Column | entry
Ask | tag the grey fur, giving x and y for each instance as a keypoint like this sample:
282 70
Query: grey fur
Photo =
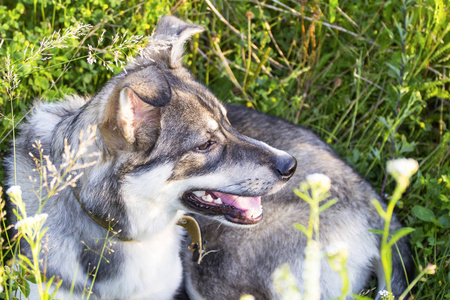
246 258
152 119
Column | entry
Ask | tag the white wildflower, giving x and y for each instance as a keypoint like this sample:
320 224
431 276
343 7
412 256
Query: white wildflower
91 58
319 181
15 195
100 40
14 192
116 55
31 224
384 293
40 218
108 66
337 255
404 167
430 269
284 283
336 248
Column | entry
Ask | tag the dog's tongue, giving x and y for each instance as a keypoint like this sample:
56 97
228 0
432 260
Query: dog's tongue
247 204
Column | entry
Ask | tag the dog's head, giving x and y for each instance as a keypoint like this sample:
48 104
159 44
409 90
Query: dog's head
173 140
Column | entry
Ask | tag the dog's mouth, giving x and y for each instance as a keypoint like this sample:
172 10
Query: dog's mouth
236 209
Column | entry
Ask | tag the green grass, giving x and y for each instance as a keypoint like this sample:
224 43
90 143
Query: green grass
370 77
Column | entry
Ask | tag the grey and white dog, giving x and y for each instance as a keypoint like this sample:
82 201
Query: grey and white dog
166 146
246 258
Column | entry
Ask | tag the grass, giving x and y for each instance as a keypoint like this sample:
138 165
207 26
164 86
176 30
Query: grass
370 77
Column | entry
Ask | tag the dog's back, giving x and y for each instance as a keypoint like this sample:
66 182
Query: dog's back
246 258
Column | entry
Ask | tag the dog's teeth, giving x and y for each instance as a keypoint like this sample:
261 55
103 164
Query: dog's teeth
208 198
199 193
218 201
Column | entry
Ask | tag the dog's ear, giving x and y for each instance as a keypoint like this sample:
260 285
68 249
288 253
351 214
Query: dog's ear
133 111
167 41
132 121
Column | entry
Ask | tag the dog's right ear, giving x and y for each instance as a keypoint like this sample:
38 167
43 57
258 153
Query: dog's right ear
131 122
166 45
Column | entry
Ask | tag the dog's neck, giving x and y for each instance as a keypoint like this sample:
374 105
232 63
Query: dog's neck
106 224
187 222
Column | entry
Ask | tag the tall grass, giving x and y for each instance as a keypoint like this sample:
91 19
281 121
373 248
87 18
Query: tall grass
371 77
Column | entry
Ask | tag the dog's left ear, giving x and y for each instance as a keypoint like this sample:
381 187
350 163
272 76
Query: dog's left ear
133 113
167 41
132 116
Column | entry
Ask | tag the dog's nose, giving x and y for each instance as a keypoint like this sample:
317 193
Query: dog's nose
287 166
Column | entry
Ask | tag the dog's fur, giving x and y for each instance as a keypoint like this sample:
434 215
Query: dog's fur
246 258
162 135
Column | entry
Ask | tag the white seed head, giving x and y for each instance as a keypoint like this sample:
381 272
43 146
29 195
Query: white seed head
338 248
319 181
285 283
384 293
337 256
30 224
402 167
14 192
430 269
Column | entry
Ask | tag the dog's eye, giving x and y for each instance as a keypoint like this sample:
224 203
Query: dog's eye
205 147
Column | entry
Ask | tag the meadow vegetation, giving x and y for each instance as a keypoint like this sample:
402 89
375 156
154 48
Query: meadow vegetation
370 77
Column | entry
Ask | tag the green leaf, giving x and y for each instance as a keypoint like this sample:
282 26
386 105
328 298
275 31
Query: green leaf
25 288
423 213
379 209
87 78
327 205
42 82
376 231
332 10
31 278
390 33
301 228
302 195
58 285
399 234
444 221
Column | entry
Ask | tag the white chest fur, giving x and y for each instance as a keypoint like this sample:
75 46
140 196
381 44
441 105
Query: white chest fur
152 268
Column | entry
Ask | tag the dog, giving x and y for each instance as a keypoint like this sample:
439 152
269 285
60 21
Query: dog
165 146
245 258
